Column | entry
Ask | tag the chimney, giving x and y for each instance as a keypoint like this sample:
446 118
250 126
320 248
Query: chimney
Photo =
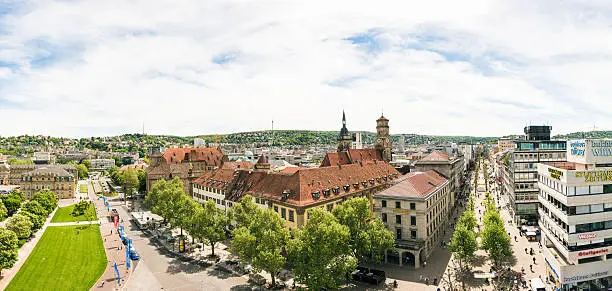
339 165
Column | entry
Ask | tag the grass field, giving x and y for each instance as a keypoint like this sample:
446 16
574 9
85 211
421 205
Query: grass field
83 188
63 214
65 258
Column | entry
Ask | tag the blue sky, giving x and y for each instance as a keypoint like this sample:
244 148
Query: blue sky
476 67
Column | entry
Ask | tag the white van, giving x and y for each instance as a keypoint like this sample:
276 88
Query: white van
537 285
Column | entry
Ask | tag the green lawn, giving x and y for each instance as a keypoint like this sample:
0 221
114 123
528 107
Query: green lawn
64 214
83 188
65 258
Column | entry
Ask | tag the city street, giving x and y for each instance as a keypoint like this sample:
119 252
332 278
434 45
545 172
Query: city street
519 243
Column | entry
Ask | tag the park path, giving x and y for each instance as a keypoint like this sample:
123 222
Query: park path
114 248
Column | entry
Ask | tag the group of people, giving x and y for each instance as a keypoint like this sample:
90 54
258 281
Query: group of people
426 280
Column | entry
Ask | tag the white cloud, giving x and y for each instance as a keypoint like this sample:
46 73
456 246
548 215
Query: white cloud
83 68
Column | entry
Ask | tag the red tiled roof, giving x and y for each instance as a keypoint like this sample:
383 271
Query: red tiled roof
415 185
219 179
133 166
437 156
324 182
237 165
289 170
211 156
351 156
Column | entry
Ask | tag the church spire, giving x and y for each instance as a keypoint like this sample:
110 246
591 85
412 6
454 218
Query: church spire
343 119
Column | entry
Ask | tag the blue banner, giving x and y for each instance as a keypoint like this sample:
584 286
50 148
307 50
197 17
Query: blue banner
118 275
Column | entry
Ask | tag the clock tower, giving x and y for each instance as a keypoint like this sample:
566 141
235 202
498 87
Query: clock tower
345 139
383 141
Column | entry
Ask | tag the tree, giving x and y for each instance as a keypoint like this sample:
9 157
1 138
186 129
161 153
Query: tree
18 194
46 199
130 181
8 249
87 164
21 225
142 181
80 208
463 244
34 207
37 220
82 171
468 219
115 175
11 203
321 252
166 198
209 224
369 236
495 240
261 240
15 161
243 212
3 211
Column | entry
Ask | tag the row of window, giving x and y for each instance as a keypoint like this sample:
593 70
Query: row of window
398 219
576 210
577 190
398 204
283 213
398 234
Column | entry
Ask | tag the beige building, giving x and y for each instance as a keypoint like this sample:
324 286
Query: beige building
54 179
17 171
449 166
506 144
416 209
4 174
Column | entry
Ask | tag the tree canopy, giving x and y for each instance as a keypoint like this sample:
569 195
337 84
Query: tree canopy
209 224
21 225
8 249
46 199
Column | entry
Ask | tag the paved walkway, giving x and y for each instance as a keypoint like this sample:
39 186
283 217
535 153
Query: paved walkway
114 248
23 253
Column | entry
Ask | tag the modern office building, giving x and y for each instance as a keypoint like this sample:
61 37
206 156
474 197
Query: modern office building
415 208
575 216
519 171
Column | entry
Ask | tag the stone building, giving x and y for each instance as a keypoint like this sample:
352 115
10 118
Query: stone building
452 167
293 193
416 209
186 163
4 174
54 179
16 172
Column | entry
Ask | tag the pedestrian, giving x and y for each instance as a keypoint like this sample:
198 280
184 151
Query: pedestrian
420 278
531 268
526 251
426 281
515 238
424 264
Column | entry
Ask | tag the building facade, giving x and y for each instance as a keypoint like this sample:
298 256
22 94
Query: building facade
575 216
102 164
186 163
54 179
416 209
452 167
5 172
519 172
16 172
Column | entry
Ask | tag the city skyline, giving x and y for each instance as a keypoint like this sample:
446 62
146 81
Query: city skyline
478 68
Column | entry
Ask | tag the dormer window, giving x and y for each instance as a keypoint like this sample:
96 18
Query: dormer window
286 194
336 190
372 181
316 195
364 183
356 185
378 180
326 192
347 188
385 178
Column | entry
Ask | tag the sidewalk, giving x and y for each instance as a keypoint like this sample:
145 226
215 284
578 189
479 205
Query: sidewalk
23 253
114 248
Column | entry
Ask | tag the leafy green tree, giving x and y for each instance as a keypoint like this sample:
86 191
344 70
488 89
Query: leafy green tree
46 199
3 211
34 207
242 213
321 252
130 181
209 224
369 236
82 171
11 203
15 161
142 181
468 219
80 208
167 198
495 240
463 244
261 241
87 164
115 175
37 220
8 249
21 225
18 194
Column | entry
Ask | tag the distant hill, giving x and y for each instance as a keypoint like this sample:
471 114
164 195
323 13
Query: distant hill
585 134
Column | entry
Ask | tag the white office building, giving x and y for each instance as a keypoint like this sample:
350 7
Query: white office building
575 216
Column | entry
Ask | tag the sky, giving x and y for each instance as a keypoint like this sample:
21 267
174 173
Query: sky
79 68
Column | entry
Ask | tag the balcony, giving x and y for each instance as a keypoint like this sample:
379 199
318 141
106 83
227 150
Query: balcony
410 244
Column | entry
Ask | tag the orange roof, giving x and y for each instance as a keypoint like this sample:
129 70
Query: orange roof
437 156
314 185
219 179
415 185
351 156
211 156
237 165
